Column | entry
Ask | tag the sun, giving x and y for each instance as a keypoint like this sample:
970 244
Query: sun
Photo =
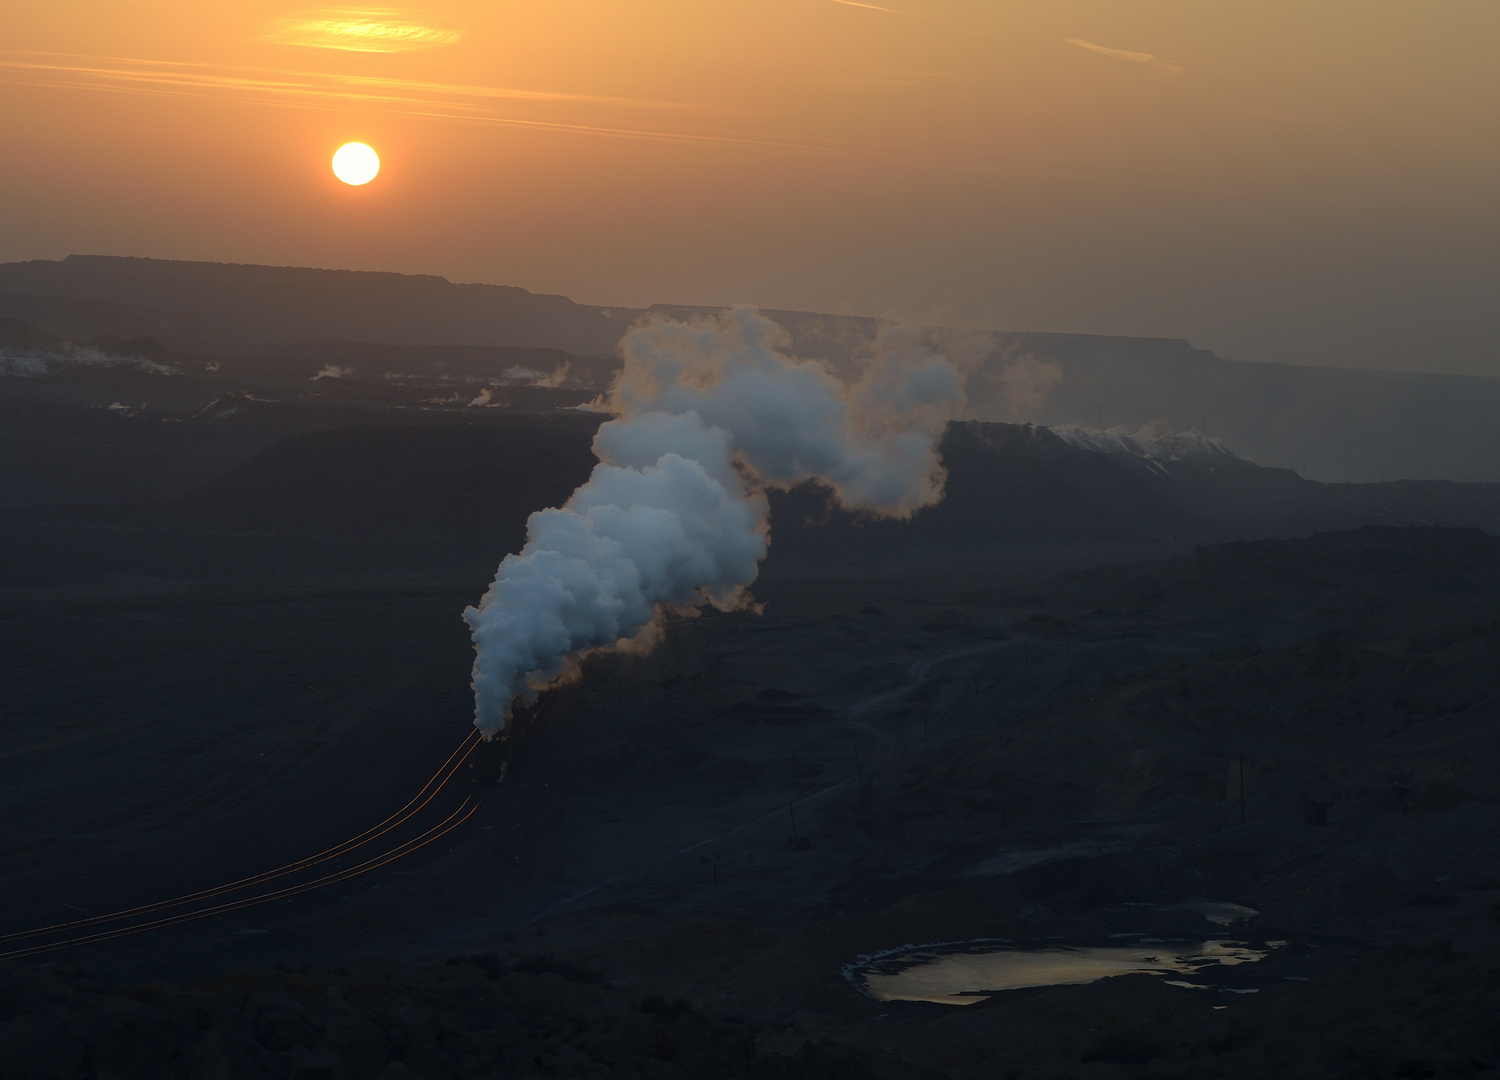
355 163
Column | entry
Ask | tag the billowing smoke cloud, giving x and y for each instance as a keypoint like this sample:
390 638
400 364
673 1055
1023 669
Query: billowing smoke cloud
708 415
1027 382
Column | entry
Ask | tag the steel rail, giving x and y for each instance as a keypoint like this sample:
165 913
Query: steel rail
453 821
414 806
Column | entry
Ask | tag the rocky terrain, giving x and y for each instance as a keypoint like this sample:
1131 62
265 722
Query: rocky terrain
1108 679
1011 755
268 322
1407 1012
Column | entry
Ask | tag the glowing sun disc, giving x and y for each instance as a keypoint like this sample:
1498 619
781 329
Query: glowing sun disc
355 163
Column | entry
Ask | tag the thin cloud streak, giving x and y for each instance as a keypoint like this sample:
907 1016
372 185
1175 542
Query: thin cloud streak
308 90
827 148
110 69
1166 67
872 7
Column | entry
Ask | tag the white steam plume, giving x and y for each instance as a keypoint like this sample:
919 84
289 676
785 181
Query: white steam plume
708 415
1027 382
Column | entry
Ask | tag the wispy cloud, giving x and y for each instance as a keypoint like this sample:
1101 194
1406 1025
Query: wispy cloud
117 72
584 114
872 7
1151 60
895 80
359 30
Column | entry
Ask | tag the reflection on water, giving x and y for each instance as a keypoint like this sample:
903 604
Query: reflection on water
963 976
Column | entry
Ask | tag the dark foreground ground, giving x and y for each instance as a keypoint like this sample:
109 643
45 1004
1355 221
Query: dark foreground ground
1403 1013
1029 729
627 903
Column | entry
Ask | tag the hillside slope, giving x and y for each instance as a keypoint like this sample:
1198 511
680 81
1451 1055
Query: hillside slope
425 495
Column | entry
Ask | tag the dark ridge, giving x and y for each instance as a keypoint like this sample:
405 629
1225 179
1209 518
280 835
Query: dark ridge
1006 483
367 360
452 478
17 334
227 307
140 348
422 494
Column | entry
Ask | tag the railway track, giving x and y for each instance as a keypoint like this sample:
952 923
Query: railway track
202 904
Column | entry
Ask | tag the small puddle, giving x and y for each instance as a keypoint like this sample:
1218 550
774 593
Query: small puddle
963 973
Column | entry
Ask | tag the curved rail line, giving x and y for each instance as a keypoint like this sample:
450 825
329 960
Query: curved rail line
415 805
453 821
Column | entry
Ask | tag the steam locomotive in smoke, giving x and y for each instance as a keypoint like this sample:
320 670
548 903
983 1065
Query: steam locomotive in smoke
489 761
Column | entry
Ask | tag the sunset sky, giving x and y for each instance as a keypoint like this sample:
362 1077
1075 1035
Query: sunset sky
1276 181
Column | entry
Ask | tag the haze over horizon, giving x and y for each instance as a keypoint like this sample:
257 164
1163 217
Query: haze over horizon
1273 183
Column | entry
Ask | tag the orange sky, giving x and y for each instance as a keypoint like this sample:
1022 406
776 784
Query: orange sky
1277 181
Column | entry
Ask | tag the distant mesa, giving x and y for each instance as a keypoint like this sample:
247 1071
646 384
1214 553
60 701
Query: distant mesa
16 334
1329 424
230 308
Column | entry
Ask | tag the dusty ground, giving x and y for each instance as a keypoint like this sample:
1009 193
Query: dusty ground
920 738
978 753
168 735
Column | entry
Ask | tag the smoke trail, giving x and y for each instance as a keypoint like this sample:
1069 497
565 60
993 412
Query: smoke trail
708 415
1027 382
